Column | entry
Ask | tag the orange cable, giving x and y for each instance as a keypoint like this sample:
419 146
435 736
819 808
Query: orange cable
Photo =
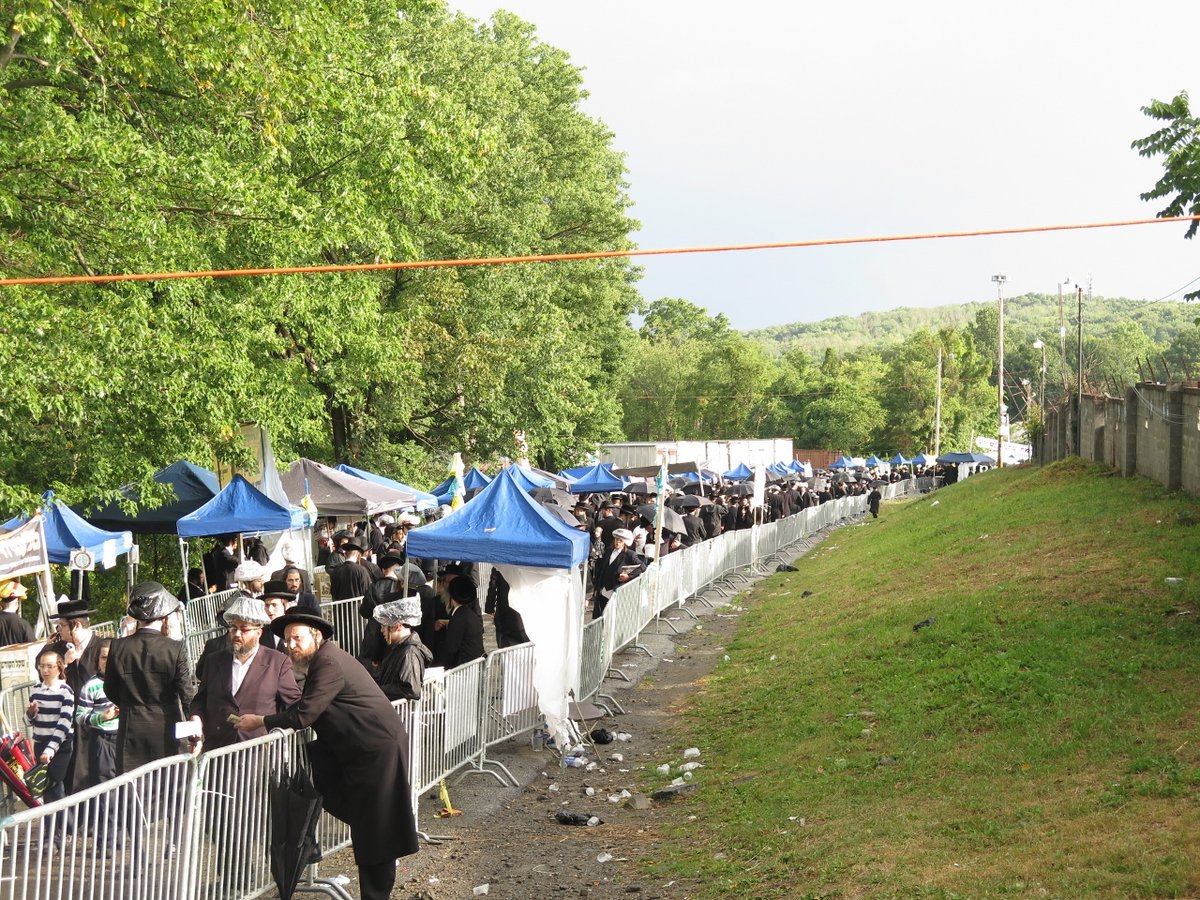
559 257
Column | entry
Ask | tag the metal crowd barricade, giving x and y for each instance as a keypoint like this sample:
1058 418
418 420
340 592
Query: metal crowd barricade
13 702
451 737
197 639
200 613
126 839
510 702
347 624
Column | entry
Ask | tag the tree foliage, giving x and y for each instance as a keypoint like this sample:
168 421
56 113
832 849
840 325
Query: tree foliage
151 136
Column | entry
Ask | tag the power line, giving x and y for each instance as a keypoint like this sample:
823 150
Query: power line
560 257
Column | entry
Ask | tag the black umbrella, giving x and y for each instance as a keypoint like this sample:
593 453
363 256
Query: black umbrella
740 490
647 511
564 515
553 495
687 501
295 809
637 487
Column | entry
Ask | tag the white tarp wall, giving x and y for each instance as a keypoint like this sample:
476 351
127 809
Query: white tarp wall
550 602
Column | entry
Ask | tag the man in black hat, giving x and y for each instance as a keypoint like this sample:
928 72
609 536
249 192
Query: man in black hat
147 678
351 579
77 647
360 757
462 638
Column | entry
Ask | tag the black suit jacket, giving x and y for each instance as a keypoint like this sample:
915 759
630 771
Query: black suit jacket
605 575
147 677
268 688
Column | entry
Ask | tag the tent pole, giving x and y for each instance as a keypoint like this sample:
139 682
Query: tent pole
183 558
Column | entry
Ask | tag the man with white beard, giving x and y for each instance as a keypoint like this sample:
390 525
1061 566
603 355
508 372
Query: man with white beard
360 757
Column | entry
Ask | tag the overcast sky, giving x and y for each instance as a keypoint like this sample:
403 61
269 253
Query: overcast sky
784 121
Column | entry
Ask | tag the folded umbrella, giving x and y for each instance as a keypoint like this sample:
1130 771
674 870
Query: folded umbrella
295 808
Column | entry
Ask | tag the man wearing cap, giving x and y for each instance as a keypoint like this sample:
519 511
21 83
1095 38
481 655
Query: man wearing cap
360 757
462 636
614 568
246 678
351 579
147 678
403 667
13 627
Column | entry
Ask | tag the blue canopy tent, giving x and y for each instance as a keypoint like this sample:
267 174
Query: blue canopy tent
781 469
503 524
842 462
538 556
575 471
874 461
240 507
920 460
899 460
66 532
741 473
596 480
425 500
192 486
796 467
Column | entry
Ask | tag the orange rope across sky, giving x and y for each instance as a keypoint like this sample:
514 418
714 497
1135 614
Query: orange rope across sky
559 257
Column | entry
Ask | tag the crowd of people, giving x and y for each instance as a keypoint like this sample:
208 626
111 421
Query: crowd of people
105 706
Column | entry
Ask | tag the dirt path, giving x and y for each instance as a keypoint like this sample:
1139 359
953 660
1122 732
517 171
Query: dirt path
508 838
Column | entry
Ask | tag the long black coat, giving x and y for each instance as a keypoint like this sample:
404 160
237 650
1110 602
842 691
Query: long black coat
147 677
462 641
360 760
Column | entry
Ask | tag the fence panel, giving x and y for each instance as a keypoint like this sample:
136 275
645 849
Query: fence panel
347 624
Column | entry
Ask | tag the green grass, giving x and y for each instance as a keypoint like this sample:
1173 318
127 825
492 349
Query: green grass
1038 739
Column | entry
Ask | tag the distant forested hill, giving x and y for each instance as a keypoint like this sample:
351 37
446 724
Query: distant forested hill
1031 313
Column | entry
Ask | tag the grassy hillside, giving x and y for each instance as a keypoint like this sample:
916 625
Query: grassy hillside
1039 738
1036 314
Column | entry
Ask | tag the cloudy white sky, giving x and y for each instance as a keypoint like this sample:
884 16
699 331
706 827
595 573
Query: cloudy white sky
783 121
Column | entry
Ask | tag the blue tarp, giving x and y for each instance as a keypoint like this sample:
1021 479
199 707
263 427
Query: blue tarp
526 480
796 466
842 462
576 471
873 461
240 508
780 468
920 460
899 460
193 487
66 531
598 479
741 473
503 524
972 457
425 500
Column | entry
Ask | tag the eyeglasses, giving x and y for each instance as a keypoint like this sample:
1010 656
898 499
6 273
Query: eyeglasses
244 629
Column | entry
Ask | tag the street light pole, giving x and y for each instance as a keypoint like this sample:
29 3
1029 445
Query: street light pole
1000 279
937 411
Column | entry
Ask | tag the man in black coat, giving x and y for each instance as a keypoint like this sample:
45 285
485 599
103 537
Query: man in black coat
351 579
13 628
147 678
360 757
78 647
462 635
614 568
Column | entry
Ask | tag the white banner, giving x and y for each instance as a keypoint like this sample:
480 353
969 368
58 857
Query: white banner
23 551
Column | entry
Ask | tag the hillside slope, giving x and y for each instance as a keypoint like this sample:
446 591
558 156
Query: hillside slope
1037 736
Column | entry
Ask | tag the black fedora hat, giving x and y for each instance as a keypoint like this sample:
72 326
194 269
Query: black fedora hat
73 609
273 590
301 618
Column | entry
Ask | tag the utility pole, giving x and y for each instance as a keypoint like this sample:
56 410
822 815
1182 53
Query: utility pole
1002 425
937 411
1039 344
1062 332
1079 380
